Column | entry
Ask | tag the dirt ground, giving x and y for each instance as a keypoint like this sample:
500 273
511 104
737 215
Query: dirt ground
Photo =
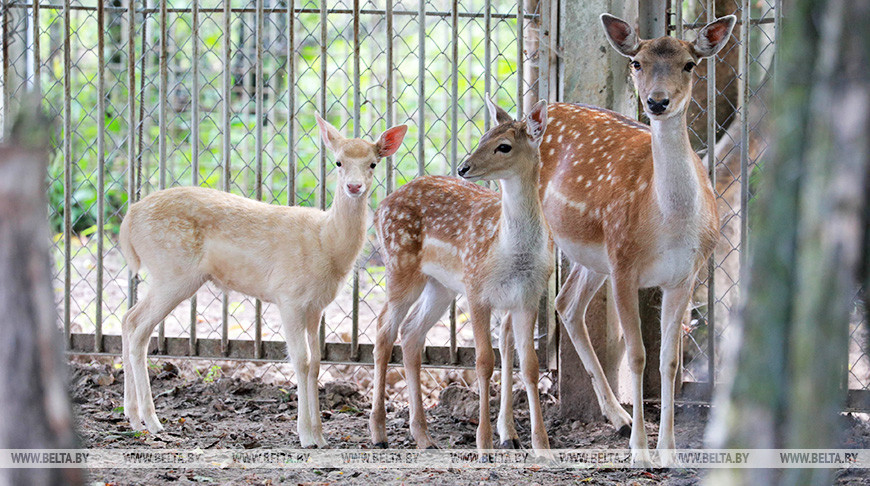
229 413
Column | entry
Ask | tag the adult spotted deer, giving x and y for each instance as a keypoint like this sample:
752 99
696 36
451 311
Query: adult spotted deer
633 203
294 257
441 236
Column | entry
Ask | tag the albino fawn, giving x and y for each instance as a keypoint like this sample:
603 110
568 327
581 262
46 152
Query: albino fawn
294 257
633 203
441 236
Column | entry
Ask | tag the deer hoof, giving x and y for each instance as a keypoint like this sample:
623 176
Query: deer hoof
625 431
381 445
511 444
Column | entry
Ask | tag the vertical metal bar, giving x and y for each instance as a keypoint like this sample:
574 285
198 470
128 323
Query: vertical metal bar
354 313
711 151
323 75
777 36
194 147
322 181
131 129
67 164
227 150
421 89
520 59
678 18
161 134
389 76
258 158
745 30
143 61
487 60
101 168
291 103
454 149
544 50
7 40
37 58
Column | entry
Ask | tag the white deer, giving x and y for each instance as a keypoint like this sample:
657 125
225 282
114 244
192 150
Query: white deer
441 236
294 257
633 203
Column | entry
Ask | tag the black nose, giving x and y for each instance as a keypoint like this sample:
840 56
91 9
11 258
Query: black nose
657 106
463 170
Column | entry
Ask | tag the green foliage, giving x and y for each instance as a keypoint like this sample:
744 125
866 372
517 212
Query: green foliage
279 159
213 373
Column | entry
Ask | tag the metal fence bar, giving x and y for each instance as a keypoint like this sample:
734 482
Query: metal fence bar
454 149
354 313
520 74
162 123
487 61
101 170
37 60
194 146
678 19
711 263
281 10
67 161
5 45
258 157
745 32
131 129
389 17
291 104
226 86
322 181
421 90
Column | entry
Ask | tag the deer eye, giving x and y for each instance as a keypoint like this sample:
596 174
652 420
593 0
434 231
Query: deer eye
689 66
373 165
635 65
504 148
338 163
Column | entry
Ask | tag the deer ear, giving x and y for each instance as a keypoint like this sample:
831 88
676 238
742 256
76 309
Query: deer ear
328 133
536 122
620 35
713 37
390 141
496 112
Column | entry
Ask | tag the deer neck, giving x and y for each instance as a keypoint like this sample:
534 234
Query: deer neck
344 229
675 178
521 223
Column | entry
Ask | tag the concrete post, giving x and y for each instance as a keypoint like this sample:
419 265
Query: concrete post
592 72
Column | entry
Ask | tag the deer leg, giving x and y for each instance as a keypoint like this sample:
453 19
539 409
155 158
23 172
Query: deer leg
507 431
298 348
524 334
480 319
163 296
312 328
674 302
571 303
429 309
625 293
131 403
399 301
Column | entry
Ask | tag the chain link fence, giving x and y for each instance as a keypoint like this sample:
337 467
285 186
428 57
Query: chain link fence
158 93
725 123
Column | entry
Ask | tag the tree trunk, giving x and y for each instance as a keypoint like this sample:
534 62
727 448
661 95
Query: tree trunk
789 382
33 396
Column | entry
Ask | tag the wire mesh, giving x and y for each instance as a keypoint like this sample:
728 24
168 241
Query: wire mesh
725 123
221 94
